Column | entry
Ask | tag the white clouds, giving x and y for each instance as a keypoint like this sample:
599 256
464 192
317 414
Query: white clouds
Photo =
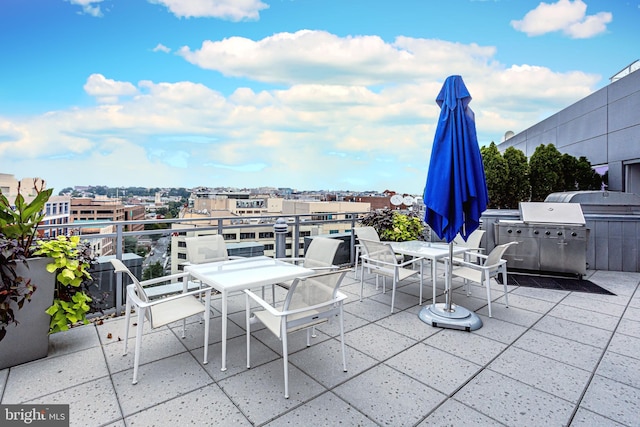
161 48
290 136
567 16
107 90
232 10
88 7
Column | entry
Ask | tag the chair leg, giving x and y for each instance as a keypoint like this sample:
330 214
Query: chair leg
309 336
344 354
127 322
506 293
248 325
184 328
136 357
207 315
361 284
487 284
355 267
393 294
285 358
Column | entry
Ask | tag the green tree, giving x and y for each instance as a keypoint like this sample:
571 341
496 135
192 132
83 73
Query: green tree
519 188
154 270
586 177
496 172
130 244
569 169
546 176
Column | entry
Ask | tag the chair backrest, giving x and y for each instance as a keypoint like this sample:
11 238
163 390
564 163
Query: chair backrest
310 291
379 251
209 248
368 233
321 252
119 267
473 241
496 253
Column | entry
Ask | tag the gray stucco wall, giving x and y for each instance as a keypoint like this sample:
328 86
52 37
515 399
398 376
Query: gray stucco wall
604 127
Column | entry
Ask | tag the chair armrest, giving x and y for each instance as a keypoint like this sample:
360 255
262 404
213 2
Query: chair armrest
138 302
262 303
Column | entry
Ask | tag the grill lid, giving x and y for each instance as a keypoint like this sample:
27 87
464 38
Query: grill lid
551 213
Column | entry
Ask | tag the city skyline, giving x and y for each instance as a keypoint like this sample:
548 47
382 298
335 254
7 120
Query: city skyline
304 94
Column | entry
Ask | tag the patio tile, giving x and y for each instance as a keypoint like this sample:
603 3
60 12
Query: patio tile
350 321
574 331
629 327
559 379
259 392
563 350
527 303
590 317
515 315
402 301
204 406
453 413
54 374
591 302
237 357
389 397
586 418
4 374
618 282
620 368
467 345
438 369
90 404
323 362
512 402
625 345
378 342
549 295
499 330
409 324
368 309
194 334
155 345
296 340
613 400
325 410
632 313
158 382
78 338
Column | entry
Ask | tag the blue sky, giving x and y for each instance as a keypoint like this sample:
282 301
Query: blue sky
309 94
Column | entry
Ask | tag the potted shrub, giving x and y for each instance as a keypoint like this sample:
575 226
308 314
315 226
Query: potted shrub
71 262
27 287
394 225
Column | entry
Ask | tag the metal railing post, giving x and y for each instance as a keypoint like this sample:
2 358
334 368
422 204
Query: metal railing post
280 229
119 250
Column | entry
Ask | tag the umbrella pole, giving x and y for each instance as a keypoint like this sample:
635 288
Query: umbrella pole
448 302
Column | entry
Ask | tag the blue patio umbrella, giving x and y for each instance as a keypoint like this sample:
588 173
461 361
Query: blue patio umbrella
455 194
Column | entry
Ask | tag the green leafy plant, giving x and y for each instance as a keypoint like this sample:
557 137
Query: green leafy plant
71 262
396 226
18 229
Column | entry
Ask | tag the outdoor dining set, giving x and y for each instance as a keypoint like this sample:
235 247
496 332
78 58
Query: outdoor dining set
312 285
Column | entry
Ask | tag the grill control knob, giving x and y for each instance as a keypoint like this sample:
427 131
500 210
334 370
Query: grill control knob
536 232
509 231
574 234
559 233
519 231
547 232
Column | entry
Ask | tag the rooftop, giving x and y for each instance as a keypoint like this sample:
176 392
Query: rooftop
551 358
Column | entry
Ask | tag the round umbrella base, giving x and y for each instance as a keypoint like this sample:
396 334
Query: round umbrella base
458 317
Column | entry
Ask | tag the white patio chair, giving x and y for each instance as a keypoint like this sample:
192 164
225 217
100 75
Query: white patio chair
367 233
490 266
380 259
473 244
309 302
319 256
161 311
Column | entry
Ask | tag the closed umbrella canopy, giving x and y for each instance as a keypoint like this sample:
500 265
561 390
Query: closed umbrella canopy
456 191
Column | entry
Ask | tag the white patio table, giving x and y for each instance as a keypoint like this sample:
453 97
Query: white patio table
240 274
434 252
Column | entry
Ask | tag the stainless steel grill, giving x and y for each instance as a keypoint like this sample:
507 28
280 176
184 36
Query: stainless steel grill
552 238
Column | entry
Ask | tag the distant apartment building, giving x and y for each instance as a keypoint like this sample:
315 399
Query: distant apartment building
255 218
56 210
